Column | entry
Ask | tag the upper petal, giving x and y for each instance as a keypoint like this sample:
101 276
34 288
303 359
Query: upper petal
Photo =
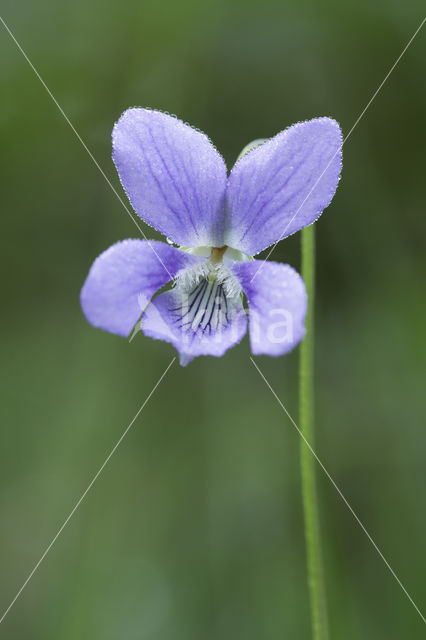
203 322
123 279
277 303
173 176
282 185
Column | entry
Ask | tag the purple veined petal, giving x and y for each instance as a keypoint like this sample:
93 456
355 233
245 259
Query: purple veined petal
174 177
277 303
282 185
204 322
123 279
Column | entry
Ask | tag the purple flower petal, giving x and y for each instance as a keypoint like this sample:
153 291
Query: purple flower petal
173 176
277 305
123 279
283 185
203 323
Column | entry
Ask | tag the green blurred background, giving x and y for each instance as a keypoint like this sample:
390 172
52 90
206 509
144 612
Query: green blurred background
195 530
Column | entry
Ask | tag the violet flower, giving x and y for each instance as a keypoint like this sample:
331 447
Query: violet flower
177 182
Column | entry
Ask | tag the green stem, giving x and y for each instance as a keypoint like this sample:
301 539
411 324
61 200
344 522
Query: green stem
307 461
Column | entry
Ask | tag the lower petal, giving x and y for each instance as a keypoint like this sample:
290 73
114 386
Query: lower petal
277 303
123 279
203 322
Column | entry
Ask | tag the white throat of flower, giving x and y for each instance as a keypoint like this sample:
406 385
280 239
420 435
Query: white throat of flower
214 270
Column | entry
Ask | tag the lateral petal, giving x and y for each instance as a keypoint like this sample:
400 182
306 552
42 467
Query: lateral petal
277 303
123 279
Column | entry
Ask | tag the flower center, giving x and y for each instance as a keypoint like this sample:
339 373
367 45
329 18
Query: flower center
213 271
217 254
